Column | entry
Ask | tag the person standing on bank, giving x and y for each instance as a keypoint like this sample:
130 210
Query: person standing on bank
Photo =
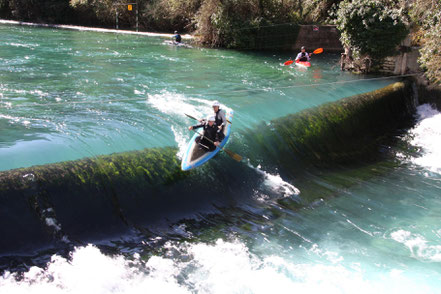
303 55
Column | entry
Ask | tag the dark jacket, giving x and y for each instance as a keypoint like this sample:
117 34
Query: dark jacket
210 133
177 38
220 118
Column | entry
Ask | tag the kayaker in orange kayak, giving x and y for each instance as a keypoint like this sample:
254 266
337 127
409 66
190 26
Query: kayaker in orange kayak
303 55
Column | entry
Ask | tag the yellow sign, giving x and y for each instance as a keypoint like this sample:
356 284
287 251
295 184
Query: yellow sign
129 7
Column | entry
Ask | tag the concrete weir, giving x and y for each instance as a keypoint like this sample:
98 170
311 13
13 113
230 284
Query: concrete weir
108 194
81 197
348 130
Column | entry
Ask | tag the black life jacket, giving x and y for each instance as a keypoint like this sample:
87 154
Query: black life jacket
210 132
304 56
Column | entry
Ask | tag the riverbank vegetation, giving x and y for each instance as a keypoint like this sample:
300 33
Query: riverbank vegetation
426 20
372 30
218 23
370 27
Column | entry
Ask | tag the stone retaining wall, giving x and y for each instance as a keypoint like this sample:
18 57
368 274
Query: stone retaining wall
405 62
313 37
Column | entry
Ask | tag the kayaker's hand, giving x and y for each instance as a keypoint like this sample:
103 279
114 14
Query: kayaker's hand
190 128
219 127
216 143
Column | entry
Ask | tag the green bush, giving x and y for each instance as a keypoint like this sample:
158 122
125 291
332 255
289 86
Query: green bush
103 11
37 11
243 24
5 11
170 15
430 52
317 11
371 28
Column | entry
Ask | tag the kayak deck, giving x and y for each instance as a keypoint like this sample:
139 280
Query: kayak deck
198 152
303 63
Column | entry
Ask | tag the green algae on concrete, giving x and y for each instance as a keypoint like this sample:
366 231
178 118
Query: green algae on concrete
145 168
108 194
341 131
350 129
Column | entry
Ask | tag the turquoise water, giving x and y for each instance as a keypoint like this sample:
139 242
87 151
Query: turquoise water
67 95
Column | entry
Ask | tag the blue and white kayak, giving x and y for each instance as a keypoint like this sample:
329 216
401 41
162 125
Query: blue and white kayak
196 156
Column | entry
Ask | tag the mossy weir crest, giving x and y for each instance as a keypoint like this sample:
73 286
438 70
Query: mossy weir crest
107 193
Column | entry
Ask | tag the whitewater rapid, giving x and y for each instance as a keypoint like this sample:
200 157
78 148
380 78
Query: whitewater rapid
221 267
426 136
229 266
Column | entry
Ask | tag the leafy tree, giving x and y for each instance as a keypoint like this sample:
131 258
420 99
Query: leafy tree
244 23
371 28
317 11
430 52
170 15
102 10
5 11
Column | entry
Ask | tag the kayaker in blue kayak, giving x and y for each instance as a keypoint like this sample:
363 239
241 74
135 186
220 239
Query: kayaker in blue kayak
210 132
220 119
303 55
177 38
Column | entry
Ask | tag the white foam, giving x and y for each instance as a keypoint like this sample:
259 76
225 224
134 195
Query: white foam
418 246
22 120
7 104
181 139
275 183
172 43
427 135
222 267
34 92
22 45
179 104
90 271
51 222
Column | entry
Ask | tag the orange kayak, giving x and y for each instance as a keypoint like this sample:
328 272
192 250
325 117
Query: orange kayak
303 63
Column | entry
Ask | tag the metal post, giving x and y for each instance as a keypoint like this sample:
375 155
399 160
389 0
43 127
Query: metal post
116 19
137 25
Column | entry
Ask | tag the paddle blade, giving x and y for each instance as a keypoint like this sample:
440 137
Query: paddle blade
318 51
288 62
233 155
191 116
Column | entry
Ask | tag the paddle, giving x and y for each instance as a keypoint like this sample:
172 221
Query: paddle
192 117
230 153
316 51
